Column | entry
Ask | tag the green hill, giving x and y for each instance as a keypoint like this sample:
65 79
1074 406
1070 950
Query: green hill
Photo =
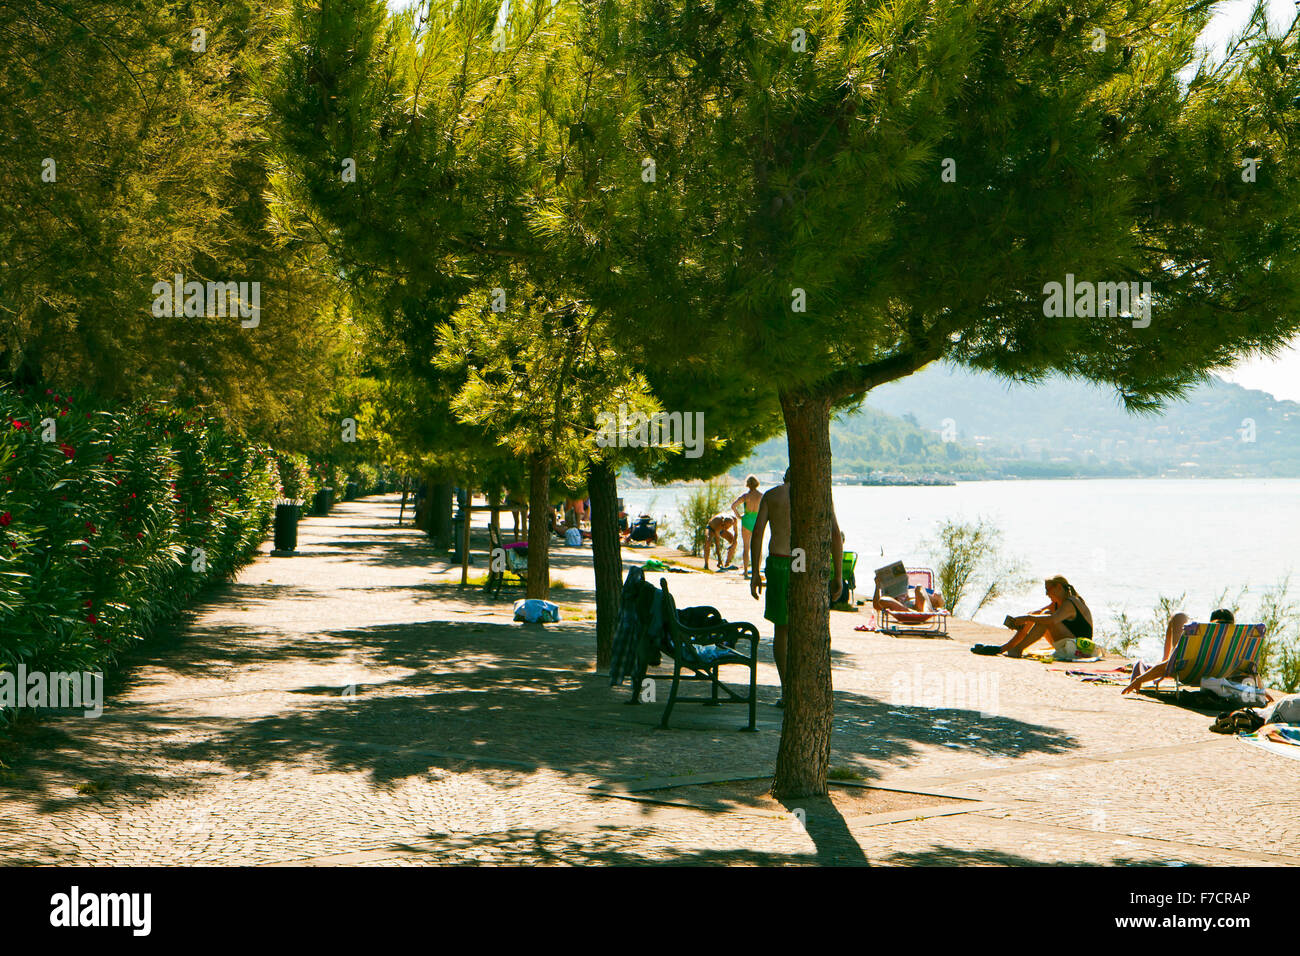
1061 428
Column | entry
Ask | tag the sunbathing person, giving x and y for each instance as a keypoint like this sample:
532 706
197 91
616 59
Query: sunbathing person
1066 617
919 601
1173 631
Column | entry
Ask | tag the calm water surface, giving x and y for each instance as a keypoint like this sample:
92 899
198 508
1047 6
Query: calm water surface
1121 542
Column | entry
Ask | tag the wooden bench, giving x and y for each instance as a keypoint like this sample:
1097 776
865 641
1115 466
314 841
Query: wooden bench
708 629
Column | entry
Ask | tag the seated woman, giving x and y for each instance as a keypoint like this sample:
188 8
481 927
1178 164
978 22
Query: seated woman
1174 630
921 602
1067 616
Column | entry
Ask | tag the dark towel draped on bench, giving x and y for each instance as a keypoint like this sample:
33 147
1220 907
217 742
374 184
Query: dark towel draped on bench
643 630
631 629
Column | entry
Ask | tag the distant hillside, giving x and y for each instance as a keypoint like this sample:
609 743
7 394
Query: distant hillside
868 441
1059 429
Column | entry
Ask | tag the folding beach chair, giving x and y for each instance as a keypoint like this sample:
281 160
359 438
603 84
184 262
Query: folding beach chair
850 563
915 623
1213 650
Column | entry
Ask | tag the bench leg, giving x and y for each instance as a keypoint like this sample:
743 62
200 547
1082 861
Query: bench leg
713 701
672 695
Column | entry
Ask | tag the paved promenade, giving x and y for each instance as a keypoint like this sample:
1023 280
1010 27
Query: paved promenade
351 705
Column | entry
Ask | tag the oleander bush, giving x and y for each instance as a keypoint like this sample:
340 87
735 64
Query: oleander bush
296 478
113 518
367 479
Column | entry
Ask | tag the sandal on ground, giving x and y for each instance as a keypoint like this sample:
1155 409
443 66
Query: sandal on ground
989 650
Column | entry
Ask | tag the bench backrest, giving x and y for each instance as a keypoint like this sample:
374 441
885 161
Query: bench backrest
701 616
1214 650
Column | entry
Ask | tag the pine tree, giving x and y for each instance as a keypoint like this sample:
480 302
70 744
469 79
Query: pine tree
855 191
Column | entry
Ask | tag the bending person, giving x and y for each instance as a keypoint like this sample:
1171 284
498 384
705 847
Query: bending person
721 527
1067 616
1173 631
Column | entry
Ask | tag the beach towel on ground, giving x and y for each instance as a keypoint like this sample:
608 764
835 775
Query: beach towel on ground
1289 734
1119 676
1051 659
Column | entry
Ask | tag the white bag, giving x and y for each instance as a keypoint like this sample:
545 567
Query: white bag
1246 695
1066 649
573 538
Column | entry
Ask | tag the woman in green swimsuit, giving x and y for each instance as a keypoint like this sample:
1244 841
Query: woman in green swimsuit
750 500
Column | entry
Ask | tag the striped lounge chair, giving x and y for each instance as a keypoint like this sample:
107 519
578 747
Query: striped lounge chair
915 623
1213 650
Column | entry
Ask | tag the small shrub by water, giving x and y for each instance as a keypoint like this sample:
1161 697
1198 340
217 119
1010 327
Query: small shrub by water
703 502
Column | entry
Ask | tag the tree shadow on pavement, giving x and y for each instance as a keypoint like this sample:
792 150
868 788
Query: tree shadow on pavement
961 856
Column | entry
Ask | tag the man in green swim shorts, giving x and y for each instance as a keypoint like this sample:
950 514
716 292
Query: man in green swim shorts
774 510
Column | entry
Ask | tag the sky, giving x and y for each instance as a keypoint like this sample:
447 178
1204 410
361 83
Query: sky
1278 376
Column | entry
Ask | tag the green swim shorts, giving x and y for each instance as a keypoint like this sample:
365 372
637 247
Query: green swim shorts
777 573
749 519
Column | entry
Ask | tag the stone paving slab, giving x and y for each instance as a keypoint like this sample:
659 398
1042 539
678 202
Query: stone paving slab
352 705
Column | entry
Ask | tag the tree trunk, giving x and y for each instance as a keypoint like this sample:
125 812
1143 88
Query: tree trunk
539 536
438 514
606 558
494 499
803 758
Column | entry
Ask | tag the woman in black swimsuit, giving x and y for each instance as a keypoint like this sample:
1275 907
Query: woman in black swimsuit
1066 617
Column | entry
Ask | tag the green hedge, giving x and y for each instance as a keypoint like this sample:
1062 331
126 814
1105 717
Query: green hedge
100 527
296 479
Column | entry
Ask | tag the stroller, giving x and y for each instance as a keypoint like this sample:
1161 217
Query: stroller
645 531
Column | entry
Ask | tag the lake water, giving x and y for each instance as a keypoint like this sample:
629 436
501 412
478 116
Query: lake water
1121 542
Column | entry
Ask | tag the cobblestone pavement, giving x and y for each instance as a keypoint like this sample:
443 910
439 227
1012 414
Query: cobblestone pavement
352 705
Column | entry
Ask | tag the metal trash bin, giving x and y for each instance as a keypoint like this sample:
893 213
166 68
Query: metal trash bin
287 513
457 533
322 502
